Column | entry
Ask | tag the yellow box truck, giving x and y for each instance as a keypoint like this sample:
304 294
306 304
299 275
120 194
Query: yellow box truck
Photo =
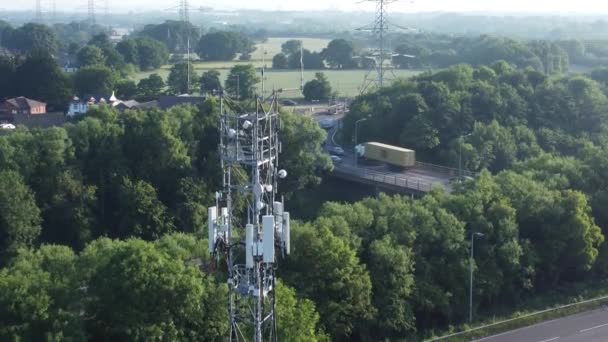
393 155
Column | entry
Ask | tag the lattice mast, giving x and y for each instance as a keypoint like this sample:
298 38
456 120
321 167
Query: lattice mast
184 11
38 12
249 150
91 11
381 54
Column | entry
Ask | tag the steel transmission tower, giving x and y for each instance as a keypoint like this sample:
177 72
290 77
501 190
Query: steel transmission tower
91 11
249 149
184 11
381 56
38 12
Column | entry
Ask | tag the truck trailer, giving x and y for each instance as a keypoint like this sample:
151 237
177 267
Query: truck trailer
392 155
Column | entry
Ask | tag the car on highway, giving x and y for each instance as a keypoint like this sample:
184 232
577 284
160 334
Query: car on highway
457 179
337 150
327 123
289 103
336 159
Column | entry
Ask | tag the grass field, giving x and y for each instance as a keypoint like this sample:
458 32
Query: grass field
273 46
346 82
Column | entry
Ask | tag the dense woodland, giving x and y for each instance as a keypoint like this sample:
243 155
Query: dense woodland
148 176
102 220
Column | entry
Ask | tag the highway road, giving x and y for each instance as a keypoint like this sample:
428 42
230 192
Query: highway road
589 326
427 178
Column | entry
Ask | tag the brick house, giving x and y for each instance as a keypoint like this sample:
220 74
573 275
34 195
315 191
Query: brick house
19 106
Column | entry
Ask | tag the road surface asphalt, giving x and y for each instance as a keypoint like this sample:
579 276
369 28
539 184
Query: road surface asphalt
591 326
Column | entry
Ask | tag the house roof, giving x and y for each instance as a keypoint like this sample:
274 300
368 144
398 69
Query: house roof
166 102
25 103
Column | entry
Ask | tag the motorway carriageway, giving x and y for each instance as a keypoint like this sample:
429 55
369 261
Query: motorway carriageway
591 326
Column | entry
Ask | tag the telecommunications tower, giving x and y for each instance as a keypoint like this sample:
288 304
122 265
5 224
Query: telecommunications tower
250 243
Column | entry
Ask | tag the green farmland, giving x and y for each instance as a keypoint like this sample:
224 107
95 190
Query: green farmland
345 82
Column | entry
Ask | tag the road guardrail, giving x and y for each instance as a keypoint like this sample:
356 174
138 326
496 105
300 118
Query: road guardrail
388 179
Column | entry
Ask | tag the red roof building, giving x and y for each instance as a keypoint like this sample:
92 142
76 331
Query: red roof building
20 106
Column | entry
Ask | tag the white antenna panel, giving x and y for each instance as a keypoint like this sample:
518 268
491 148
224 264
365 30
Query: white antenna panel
278 208
268 238
211 217
249 246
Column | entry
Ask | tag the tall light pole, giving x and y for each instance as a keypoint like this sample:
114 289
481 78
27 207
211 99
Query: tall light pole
460 156
356 137
473 235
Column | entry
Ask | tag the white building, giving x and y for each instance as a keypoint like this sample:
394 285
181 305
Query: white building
80 107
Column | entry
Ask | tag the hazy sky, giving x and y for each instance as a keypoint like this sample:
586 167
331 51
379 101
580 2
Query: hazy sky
553 6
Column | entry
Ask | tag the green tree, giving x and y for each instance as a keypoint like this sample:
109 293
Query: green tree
33 38
152 53
181 78
8 69
391 268
141 214
91 55
129 50
40 78
19 218
241 81
210 82
97 79
339 54
325 269
70 218
39 296
499 253
310 60
151 86
170 301
291 47
302 156
174 34
126 89
318 89
559 226
223 46
279 61
297 319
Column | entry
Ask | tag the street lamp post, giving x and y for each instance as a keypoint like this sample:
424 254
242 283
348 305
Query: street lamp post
238 86
473 235
356 137
460 156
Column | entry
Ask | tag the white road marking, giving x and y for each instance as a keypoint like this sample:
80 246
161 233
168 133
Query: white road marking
597 326
551 339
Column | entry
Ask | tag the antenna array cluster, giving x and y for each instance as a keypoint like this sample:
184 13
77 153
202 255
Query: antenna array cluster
249 150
